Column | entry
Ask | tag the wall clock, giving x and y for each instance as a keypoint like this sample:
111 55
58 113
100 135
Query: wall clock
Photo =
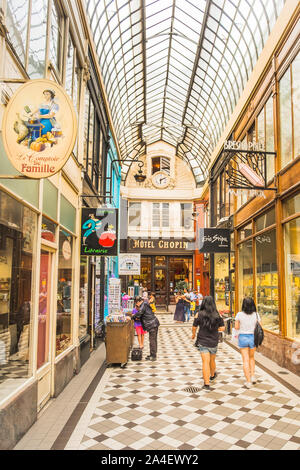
160 180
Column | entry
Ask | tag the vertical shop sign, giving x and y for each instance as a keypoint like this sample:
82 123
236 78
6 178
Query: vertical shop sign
99 232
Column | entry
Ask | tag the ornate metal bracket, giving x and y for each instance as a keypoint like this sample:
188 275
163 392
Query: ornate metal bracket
247 169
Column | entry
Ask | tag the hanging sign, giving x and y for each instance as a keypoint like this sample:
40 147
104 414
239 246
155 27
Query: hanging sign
99 232
129 263
214 240
39 128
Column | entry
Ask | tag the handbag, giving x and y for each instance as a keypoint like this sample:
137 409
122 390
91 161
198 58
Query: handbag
235 336
258 333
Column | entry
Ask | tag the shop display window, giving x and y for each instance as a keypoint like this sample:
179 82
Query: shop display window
267 280
222 282
18 228
245 232
48 230
265 220
292 274
245 271
291 206
44 308
64 292
83 297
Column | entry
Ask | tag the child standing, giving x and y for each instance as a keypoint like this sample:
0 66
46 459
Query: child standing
138 328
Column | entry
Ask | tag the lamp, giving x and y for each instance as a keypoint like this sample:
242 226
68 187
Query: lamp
139 177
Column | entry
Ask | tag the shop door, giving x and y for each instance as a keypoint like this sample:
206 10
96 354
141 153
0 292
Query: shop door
160 282
44 321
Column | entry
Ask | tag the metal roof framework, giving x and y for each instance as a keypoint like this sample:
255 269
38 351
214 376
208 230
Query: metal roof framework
175 69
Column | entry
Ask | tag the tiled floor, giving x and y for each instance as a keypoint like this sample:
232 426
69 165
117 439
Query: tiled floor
146 406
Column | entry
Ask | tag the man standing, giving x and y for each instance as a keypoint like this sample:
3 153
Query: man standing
149 323
187 305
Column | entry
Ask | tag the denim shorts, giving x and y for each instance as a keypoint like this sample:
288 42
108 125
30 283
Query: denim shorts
246 341
205 349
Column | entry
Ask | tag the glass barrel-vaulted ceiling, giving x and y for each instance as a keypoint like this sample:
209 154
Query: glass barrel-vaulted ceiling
175 69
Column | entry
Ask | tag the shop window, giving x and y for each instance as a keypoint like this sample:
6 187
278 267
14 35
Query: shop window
222 282
134 214
291 206
18 228
292 275
267 280
186 215
64 292
83 297
144 279
160 164
265 220
245 271
245 232
48 230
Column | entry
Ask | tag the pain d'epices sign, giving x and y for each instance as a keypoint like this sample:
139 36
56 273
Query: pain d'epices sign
39 128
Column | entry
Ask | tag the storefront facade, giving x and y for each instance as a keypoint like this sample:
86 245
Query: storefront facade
164 263
264 262
49 298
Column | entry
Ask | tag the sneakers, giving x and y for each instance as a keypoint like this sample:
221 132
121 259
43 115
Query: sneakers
150 358
248 384
206 388
213 377
253 380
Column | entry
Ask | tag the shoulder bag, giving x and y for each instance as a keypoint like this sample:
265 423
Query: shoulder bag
258 333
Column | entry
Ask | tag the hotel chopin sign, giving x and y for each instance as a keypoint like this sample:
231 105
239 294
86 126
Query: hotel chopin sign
168 245
39 128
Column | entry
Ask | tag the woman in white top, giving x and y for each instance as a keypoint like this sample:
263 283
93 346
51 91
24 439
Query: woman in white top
245 322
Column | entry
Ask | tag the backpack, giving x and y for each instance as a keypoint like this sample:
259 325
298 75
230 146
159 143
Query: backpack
136 354
258 334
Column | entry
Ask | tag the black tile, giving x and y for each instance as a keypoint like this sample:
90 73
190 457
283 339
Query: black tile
218 402
275 417
295 439
180 422
113 399
209 432
176 404
245 409
242 444
156 435
130 425
101 438
228 420
260 429
155 413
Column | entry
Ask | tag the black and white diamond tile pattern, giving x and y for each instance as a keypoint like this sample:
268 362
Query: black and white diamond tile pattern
145 406
13 370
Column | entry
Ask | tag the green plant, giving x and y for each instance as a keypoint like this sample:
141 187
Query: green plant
181 285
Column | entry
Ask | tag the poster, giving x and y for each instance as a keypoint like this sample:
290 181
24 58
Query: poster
99 232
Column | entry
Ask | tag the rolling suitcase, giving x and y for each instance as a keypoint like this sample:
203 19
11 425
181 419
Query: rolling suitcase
136 354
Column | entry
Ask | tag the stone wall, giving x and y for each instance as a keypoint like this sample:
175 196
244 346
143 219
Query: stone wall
284 352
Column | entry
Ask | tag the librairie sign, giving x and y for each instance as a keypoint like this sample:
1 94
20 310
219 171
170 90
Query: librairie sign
39 128
214 240
99 231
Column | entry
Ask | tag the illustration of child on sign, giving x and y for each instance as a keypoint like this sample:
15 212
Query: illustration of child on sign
93 225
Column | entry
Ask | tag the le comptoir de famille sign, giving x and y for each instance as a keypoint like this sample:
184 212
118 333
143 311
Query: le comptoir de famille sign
99 232
39 128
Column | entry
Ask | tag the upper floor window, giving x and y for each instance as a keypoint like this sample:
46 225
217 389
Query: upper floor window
56 37
160 164
289 102
160 214
186 215
134 214
265 134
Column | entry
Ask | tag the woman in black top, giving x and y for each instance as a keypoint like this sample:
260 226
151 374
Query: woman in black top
210 323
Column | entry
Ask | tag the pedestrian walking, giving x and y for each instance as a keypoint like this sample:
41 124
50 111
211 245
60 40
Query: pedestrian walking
179 315
245 322
138 326
149 323
187 305
210 323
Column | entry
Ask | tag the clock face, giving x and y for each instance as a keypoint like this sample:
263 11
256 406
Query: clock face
160 179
